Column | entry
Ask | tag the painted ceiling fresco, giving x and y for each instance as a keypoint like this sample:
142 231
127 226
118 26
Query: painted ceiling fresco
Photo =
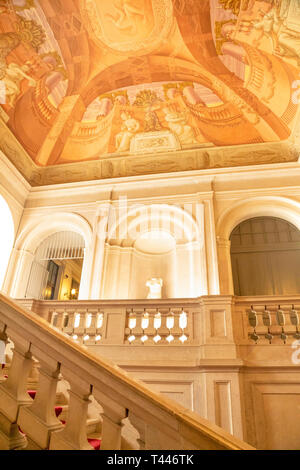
91 79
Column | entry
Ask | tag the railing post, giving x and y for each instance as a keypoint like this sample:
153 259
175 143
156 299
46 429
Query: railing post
74 436
13 395
113 414
140 426
39 419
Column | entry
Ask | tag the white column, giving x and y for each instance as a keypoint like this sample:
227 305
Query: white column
98 251
211 248
225 270
19 276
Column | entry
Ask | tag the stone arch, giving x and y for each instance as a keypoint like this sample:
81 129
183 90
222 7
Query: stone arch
173 219
32 235
185 275
261 206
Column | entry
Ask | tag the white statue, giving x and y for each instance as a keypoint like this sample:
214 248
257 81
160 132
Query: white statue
129 128
177 123
155 288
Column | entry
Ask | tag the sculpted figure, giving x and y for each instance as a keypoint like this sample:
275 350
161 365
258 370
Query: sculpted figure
177 123
155 288
129 128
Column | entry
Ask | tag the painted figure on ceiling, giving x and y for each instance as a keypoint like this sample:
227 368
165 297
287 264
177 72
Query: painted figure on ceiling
177 123
12 76
129 14
129 128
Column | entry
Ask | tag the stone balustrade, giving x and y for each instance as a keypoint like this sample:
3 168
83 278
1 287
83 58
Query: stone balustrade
122 402
122 322
269 320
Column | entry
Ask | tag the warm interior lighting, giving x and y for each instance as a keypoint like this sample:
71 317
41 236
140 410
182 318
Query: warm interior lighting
170 321
144 338
183 338
157 321
145 321
75 337
73 291
98 338
77 320
131 338
170 338
88 320
183 320
132 323
86 338
156 338
99 320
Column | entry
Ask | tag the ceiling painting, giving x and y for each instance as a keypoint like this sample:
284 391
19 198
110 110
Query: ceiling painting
86 80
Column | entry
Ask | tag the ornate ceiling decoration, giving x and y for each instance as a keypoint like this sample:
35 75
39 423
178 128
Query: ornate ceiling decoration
113 82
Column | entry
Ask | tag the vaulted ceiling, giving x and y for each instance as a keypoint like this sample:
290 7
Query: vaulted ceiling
85 80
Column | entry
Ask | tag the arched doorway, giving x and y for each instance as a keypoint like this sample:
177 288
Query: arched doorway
265 257
57 267
7 236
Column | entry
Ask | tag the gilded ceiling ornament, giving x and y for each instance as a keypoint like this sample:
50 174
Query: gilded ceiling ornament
234 5
30 32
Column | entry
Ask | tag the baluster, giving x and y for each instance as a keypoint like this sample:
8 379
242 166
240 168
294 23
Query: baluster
13 395
163 331
157 326
138 330
176 330
170 323
295 321
145 322
184 326
281 322
60 319
39 419
253 322
4 339
131 325
74 435
140 426
113 414
267 321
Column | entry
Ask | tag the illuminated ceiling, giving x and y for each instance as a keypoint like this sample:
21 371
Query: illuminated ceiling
106 80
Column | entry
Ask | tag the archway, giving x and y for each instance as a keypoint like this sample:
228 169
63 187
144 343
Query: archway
34 234
57 267
265 257
158 243
7 236
260 206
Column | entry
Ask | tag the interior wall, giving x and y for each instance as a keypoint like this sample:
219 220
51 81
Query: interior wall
265 255
126 271
6 238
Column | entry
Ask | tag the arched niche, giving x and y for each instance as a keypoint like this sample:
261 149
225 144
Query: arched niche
155 241
265 257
